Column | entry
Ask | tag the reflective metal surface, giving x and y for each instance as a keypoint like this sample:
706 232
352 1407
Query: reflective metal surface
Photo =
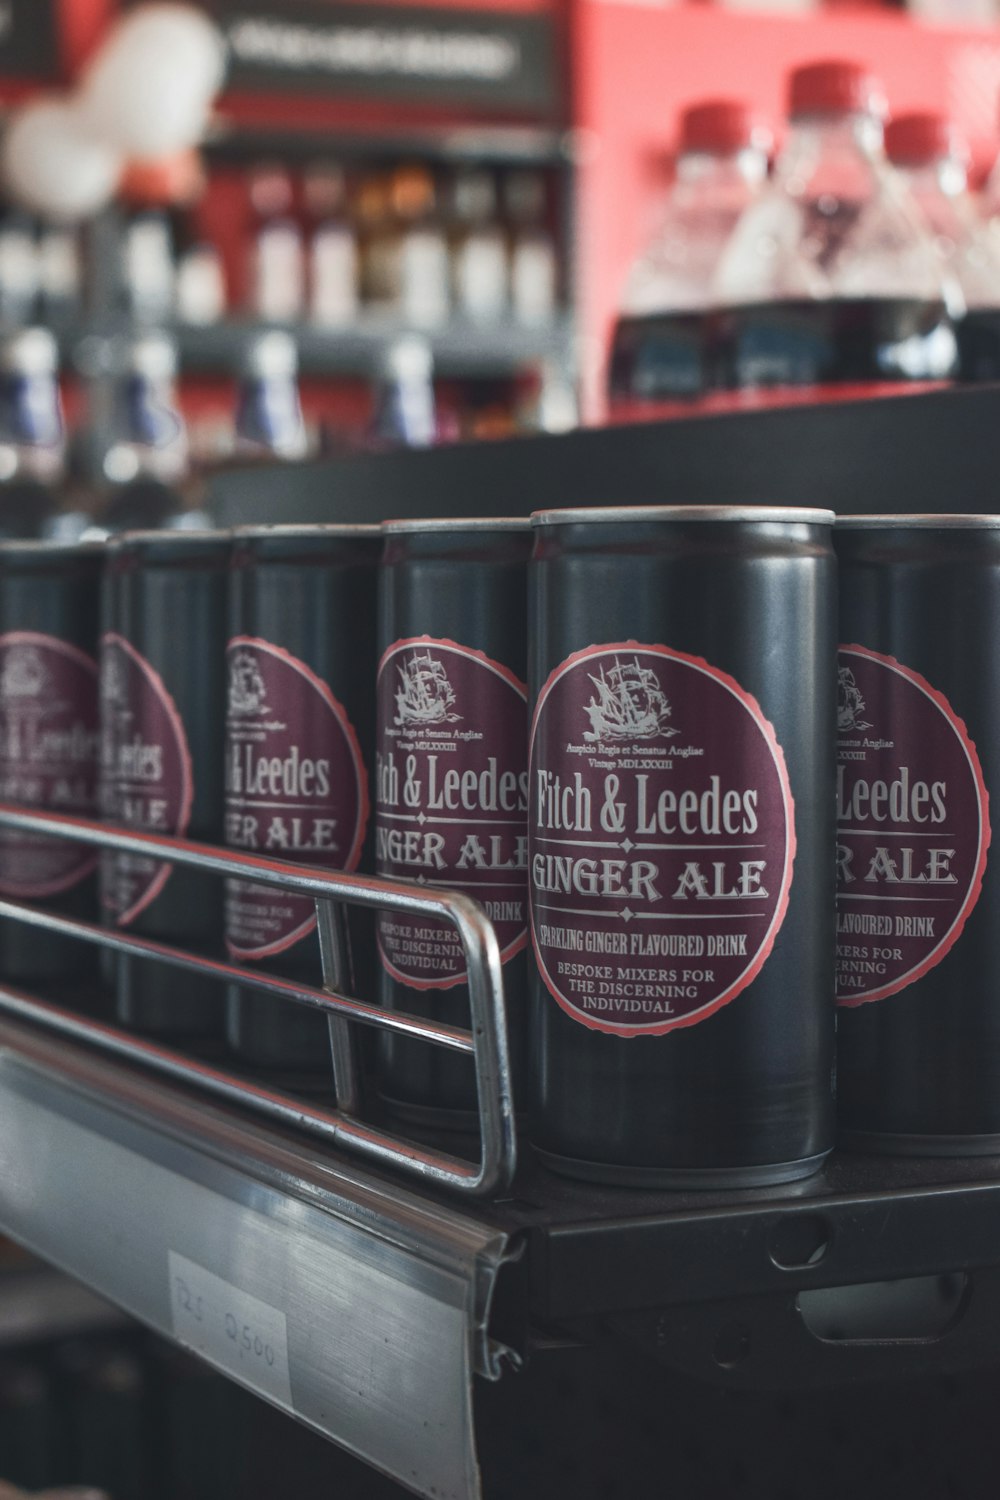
353 1303
487 1041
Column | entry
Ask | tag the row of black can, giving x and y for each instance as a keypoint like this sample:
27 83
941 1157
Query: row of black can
702 790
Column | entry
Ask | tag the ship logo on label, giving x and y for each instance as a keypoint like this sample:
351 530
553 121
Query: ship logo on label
246 686
24 675
850 704
630 704
425 696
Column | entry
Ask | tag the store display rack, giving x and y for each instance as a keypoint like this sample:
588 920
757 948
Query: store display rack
363 1283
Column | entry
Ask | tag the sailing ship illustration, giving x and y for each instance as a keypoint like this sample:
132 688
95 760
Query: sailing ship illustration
24 674
850 703
246 685
629 704
425 695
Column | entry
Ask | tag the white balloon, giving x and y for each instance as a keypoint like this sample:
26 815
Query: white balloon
149 90
53 165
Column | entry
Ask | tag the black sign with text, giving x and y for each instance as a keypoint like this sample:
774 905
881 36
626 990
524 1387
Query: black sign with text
505 59
29 44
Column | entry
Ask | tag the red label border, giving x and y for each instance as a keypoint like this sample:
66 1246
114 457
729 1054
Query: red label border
89 862
749 702
954 932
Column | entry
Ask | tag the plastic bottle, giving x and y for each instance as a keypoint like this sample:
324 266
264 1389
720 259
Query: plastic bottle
832 284
403 399
334 268
269 422
932 160
661 348
534 261
479 249
146 466
32 436
278 277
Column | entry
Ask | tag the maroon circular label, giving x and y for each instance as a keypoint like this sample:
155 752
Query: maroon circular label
451 799
146 778
662 838
295 788
912 826
48 757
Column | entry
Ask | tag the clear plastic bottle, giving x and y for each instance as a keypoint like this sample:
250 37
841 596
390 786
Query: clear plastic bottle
830 280
269 421
334 262
661 349
277 261
146 466
403 404
932 160
32 436
479 248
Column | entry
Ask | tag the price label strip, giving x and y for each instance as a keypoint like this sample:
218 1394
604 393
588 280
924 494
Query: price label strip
235 1331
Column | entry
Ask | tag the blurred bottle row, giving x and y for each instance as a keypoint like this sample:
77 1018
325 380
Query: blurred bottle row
327 246
152 466
861 263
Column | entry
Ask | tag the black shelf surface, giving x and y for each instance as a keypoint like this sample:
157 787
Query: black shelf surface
930 452
598 1251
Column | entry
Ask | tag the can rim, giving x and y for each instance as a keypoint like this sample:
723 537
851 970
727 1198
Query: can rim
50 547
193 539
318 528
927 520
788 513
460 523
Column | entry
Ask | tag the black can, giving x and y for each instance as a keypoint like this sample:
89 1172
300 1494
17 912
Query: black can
681 837
299 739
49 749
451 784
918 757
163 699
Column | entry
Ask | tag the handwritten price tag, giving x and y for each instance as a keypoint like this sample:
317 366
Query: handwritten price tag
232 1329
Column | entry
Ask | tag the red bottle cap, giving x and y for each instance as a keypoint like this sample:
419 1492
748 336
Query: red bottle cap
721 126
834 88
917 139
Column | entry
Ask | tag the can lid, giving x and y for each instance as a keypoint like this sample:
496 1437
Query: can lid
721 126
921 522
460 523
922 137
834 87
792 515
320 530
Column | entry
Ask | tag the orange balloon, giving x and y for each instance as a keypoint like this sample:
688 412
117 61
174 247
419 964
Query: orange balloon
177 178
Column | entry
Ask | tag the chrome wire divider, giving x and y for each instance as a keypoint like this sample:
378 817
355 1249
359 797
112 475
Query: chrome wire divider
331 891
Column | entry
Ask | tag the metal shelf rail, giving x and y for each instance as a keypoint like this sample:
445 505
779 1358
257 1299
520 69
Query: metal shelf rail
486 1042
194 1201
